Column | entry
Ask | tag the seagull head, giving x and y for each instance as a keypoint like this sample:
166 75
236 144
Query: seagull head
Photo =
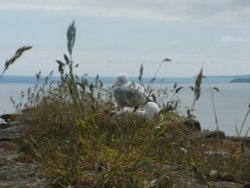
121 79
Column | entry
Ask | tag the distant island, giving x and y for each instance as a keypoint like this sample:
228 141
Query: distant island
240 80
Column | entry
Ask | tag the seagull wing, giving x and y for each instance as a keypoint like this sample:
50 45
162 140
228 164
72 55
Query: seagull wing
128 95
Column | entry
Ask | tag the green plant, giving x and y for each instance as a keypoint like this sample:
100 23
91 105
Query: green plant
167 98
211 89
197 88
13 59
239 132
78 141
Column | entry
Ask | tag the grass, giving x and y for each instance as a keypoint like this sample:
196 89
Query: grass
74 136
13 59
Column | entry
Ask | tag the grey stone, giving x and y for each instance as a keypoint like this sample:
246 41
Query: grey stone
246 153
226 184
12 132
246 185
192 123
219 154
16 174
217 134
8 117
7 156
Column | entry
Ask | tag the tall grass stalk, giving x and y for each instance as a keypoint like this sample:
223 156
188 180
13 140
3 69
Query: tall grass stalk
158 68
197 89
243 122
211 90
13 59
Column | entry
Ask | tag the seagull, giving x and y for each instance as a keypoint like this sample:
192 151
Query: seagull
128 94
152 110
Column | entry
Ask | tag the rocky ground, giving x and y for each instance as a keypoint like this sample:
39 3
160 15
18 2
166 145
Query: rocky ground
18 170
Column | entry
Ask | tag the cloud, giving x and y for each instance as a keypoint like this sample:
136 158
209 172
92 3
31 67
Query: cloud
234 39
223 11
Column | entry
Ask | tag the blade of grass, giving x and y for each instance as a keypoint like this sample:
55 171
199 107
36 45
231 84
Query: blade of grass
12 60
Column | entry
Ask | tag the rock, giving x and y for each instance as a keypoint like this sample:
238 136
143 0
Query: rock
192 123
188 178
213 173
20 175
8 117
17 170
11 132
226 184
217 134
7 156
17 174
217 154
246 151
246 185
4 125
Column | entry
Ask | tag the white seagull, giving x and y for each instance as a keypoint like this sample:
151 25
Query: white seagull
128 94
152 110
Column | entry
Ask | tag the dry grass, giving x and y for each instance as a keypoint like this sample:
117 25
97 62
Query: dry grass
76 139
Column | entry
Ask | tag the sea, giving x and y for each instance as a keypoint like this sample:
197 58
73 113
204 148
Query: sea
230 105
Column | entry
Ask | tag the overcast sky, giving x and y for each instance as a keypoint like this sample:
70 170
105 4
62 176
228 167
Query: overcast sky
116 36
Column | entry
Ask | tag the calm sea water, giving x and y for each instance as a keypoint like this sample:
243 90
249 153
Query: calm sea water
231 102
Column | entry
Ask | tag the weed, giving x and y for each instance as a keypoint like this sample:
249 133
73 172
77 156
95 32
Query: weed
239 132
77 141
12 60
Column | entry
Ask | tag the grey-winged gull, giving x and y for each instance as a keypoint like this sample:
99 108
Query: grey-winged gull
128 94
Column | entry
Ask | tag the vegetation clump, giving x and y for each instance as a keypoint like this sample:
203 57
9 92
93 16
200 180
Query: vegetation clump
77 140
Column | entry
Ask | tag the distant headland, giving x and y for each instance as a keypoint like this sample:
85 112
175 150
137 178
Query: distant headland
241 79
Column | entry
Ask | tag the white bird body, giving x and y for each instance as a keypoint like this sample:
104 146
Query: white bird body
152 109
128 94
2 121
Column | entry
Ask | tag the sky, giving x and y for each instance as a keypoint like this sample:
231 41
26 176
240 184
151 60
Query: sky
114 36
